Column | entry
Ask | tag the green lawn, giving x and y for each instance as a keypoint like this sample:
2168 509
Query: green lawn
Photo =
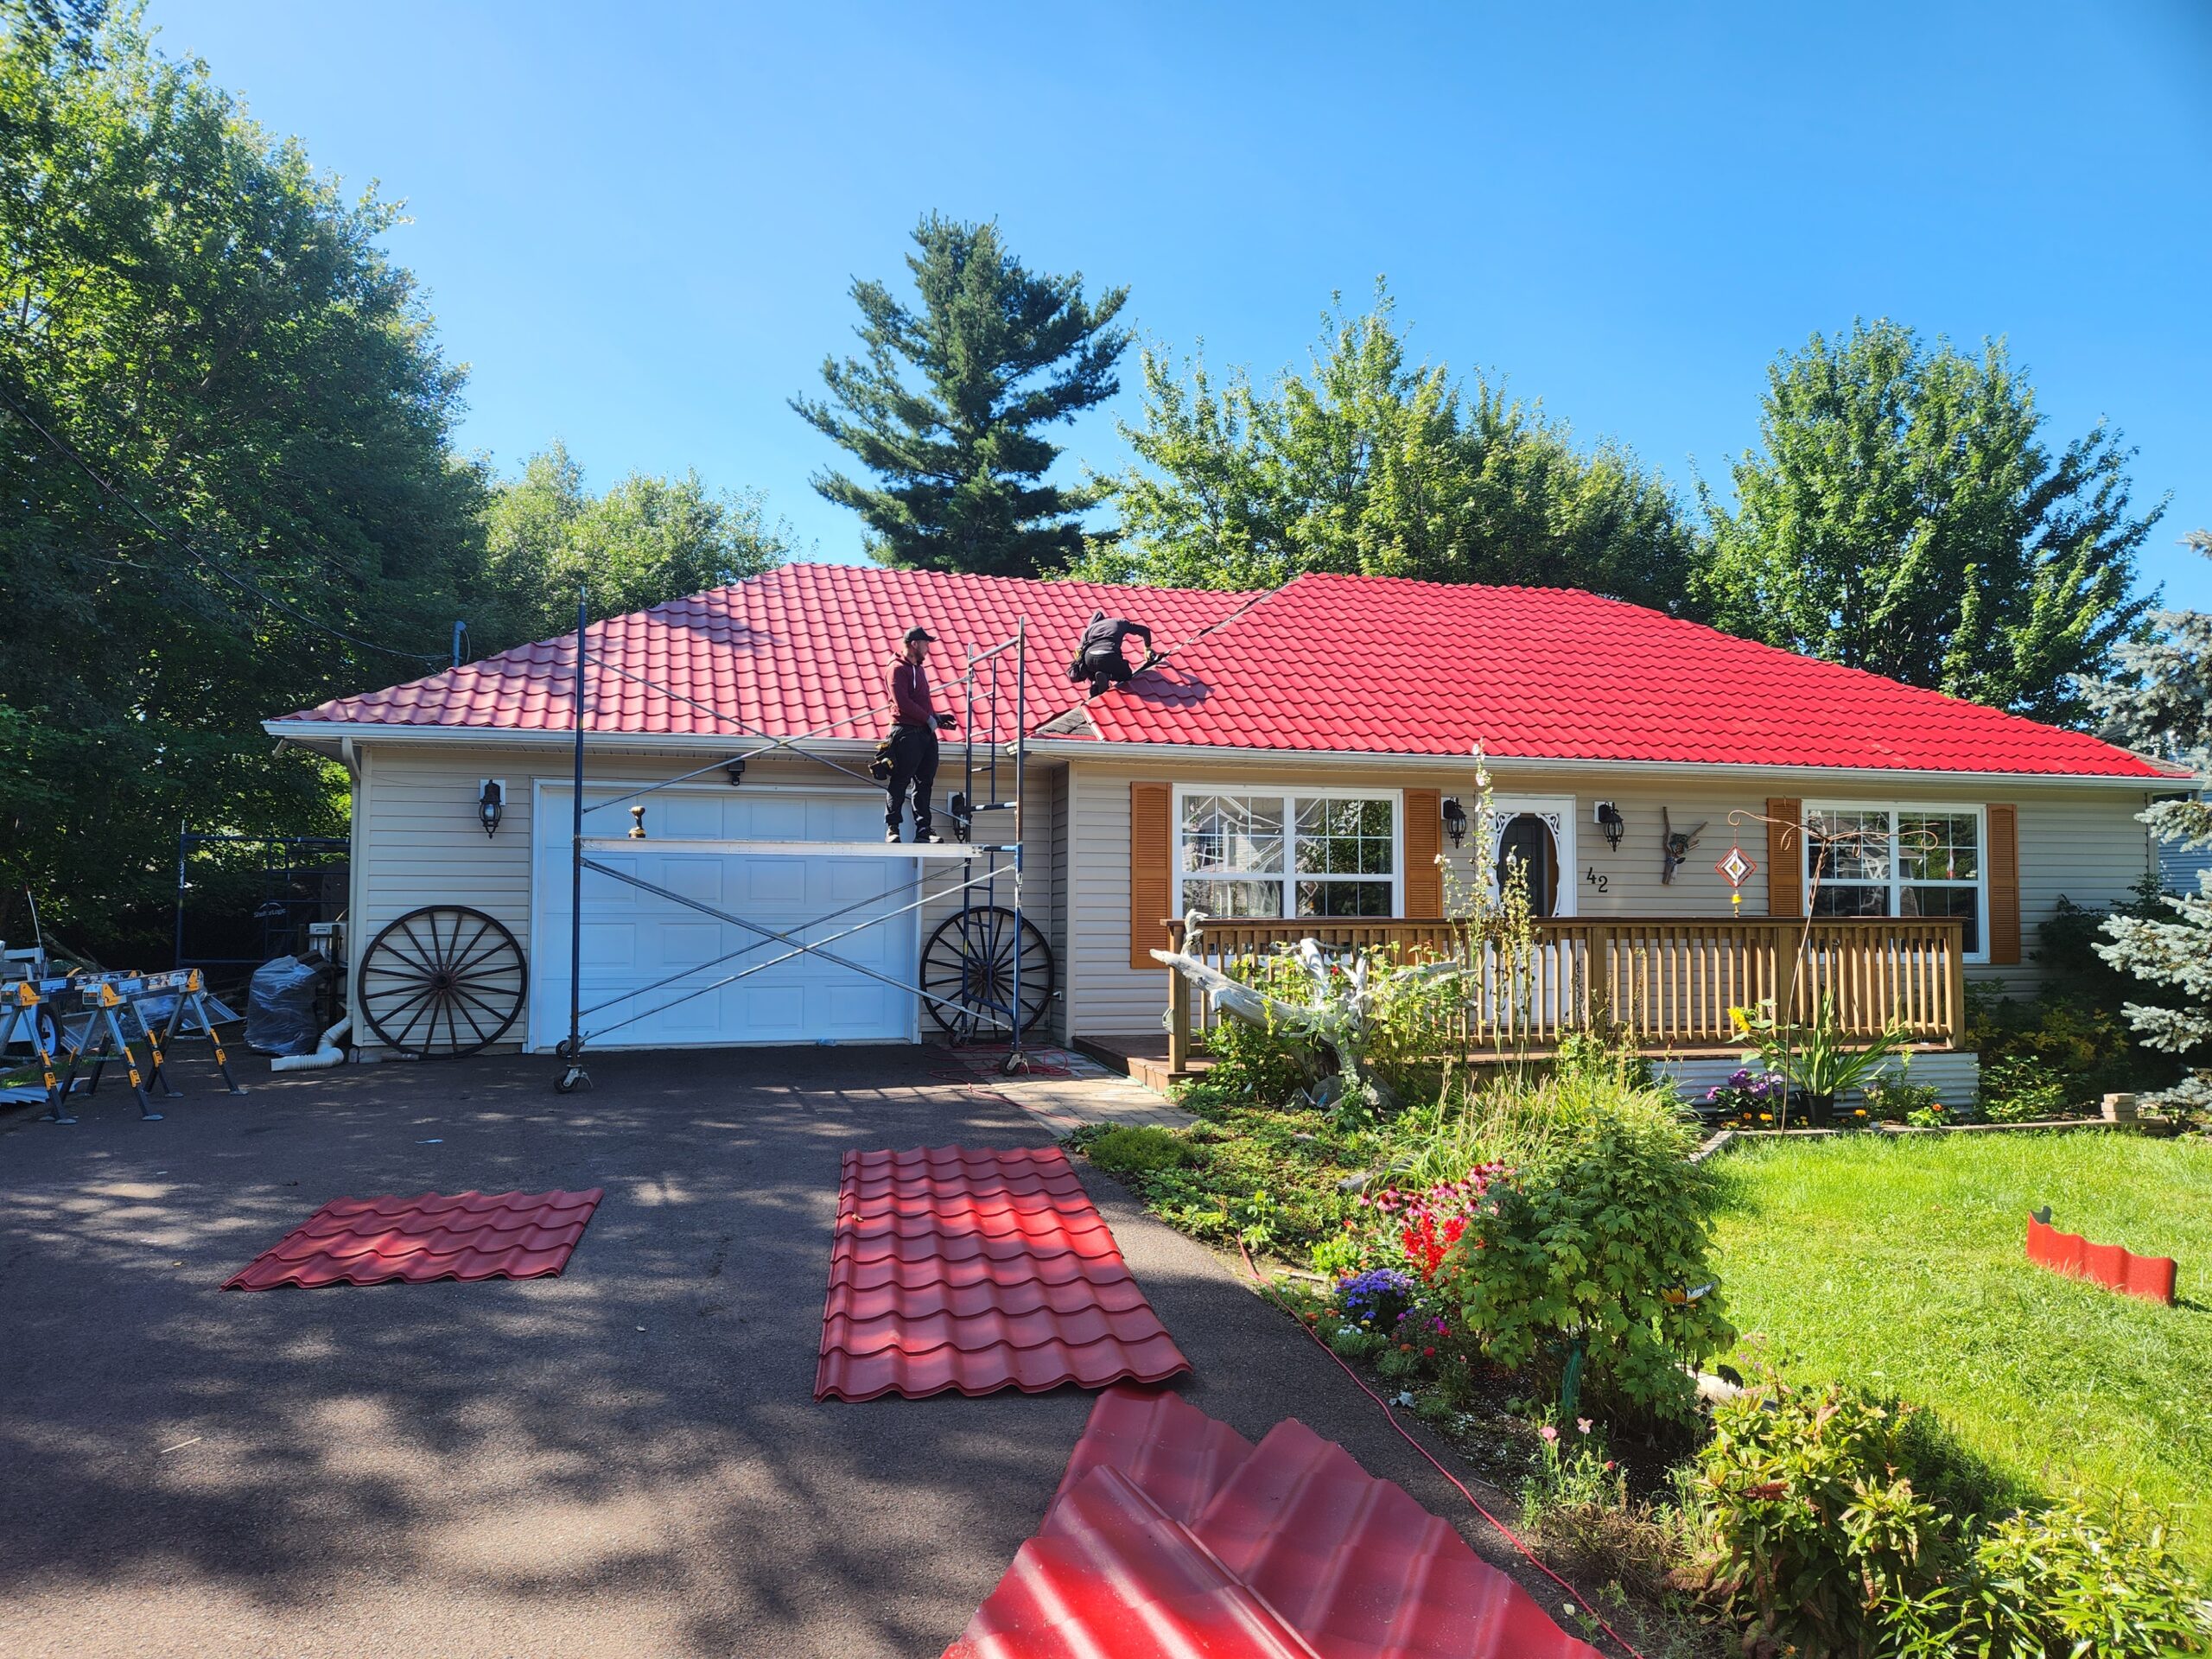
1899 1264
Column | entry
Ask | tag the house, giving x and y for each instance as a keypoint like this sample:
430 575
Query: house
1297 763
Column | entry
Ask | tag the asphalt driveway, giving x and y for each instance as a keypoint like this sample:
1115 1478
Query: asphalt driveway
627 1460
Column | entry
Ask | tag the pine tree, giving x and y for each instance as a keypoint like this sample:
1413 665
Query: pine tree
998 354
2162 702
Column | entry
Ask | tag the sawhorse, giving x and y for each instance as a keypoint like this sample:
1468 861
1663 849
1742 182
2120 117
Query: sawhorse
191 994
104 1041
21 1008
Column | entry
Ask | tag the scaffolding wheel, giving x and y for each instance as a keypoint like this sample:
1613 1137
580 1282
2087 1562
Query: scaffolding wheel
572 1079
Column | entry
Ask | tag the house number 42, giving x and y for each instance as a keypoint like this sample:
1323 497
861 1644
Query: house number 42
1595 879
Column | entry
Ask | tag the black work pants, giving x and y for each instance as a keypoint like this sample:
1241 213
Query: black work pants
1107 667
913 766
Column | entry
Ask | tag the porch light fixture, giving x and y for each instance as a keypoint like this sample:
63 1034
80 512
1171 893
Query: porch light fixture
735 768
491 804
1610 822
1455 819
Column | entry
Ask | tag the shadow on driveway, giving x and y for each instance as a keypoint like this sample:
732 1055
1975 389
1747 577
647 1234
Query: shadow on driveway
627 1460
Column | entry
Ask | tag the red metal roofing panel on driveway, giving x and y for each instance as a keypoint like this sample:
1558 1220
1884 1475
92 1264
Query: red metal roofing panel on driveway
470 1236
975 1271
1351 1566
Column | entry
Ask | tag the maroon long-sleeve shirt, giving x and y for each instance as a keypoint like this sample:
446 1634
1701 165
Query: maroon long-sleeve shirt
910 690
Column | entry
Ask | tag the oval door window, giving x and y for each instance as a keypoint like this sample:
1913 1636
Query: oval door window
1528 839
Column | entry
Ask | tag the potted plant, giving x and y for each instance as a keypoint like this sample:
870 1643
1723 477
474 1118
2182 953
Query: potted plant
1813 1057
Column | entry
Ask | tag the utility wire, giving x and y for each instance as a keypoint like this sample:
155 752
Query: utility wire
69 453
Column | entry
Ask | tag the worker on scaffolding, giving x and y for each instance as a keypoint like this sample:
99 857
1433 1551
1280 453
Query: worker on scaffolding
1098 656
912 743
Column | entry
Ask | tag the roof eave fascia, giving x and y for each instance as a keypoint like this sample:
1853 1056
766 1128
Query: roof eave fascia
1082 749
325 735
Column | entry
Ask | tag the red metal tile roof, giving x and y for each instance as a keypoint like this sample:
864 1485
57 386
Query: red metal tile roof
471 1236
1373 663
1353 664
804 648
1351 1567
976 1270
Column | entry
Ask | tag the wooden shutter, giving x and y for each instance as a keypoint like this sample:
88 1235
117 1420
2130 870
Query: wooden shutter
1785 862
2003 858
1423 840
1152 884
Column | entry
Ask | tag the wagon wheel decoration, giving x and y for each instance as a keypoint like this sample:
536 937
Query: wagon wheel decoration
443 981
967 972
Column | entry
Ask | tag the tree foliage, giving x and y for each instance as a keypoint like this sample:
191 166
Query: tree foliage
645 541
1369 464
2161 701
1905 517
197 328
999 352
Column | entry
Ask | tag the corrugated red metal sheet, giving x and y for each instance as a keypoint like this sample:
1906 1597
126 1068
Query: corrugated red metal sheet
1411 668
470 1236
1351 1565
977 1270
1112 1574
2113 1265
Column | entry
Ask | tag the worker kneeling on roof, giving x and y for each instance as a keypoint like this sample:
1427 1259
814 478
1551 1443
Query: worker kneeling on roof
912 744
1098 657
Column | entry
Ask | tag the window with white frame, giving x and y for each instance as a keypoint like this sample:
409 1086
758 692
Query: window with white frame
1277 854
1898 861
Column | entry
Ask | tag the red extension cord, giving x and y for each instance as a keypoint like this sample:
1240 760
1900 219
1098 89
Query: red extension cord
1510 1536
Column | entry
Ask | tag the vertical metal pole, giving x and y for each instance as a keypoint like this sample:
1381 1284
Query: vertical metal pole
576 856
1021 752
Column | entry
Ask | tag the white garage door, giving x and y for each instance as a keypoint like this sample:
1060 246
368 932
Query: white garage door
642 953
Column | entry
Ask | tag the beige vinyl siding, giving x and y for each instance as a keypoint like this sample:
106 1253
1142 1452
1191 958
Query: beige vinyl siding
2081 842
416 839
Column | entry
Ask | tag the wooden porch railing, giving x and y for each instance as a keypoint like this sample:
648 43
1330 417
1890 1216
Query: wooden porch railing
1668 982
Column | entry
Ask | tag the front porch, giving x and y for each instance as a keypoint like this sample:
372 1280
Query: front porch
1668 982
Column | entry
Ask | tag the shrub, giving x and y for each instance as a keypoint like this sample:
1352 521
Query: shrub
1602 1230
1892 1099
1827 1520
1609 1055
1812 1530
1141 1150
2072 1581
2021 1089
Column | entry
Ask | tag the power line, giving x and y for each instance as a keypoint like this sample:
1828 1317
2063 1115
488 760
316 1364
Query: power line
69 453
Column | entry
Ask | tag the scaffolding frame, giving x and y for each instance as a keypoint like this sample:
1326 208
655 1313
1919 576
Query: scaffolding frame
984 689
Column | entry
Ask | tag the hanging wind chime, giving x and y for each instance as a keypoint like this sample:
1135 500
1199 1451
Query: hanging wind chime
1737 869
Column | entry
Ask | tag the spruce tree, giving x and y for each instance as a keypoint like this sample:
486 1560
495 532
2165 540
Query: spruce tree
2162 702
946 407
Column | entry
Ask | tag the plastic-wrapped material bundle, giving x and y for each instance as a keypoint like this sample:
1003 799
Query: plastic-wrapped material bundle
280 1012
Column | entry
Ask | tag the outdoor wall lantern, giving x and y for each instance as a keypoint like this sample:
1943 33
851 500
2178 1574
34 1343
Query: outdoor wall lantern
1610 822
491 804
735 768
1455 820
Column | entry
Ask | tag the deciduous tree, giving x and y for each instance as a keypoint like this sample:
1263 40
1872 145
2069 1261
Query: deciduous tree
644 541
224 444
947 406
1369 464
1905 516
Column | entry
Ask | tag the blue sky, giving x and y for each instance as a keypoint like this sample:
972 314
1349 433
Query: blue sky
638 225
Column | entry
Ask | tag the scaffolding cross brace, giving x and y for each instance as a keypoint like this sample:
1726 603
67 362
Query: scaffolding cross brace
990 679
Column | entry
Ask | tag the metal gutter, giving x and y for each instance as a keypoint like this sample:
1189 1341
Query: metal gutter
313 732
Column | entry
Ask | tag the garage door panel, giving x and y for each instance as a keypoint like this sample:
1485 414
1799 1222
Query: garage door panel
634 938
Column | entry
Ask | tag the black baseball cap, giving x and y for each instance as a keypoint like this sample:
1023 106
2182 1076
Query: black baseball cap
919 633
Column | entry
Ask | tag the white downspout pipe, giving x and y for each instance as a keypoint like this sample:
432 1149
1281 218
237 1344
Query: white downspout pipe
326 1052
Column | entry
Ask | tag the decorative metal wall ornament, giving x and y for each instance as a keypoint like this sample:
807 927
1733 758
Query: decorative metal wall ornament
1678 843
1611 824
1736 869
